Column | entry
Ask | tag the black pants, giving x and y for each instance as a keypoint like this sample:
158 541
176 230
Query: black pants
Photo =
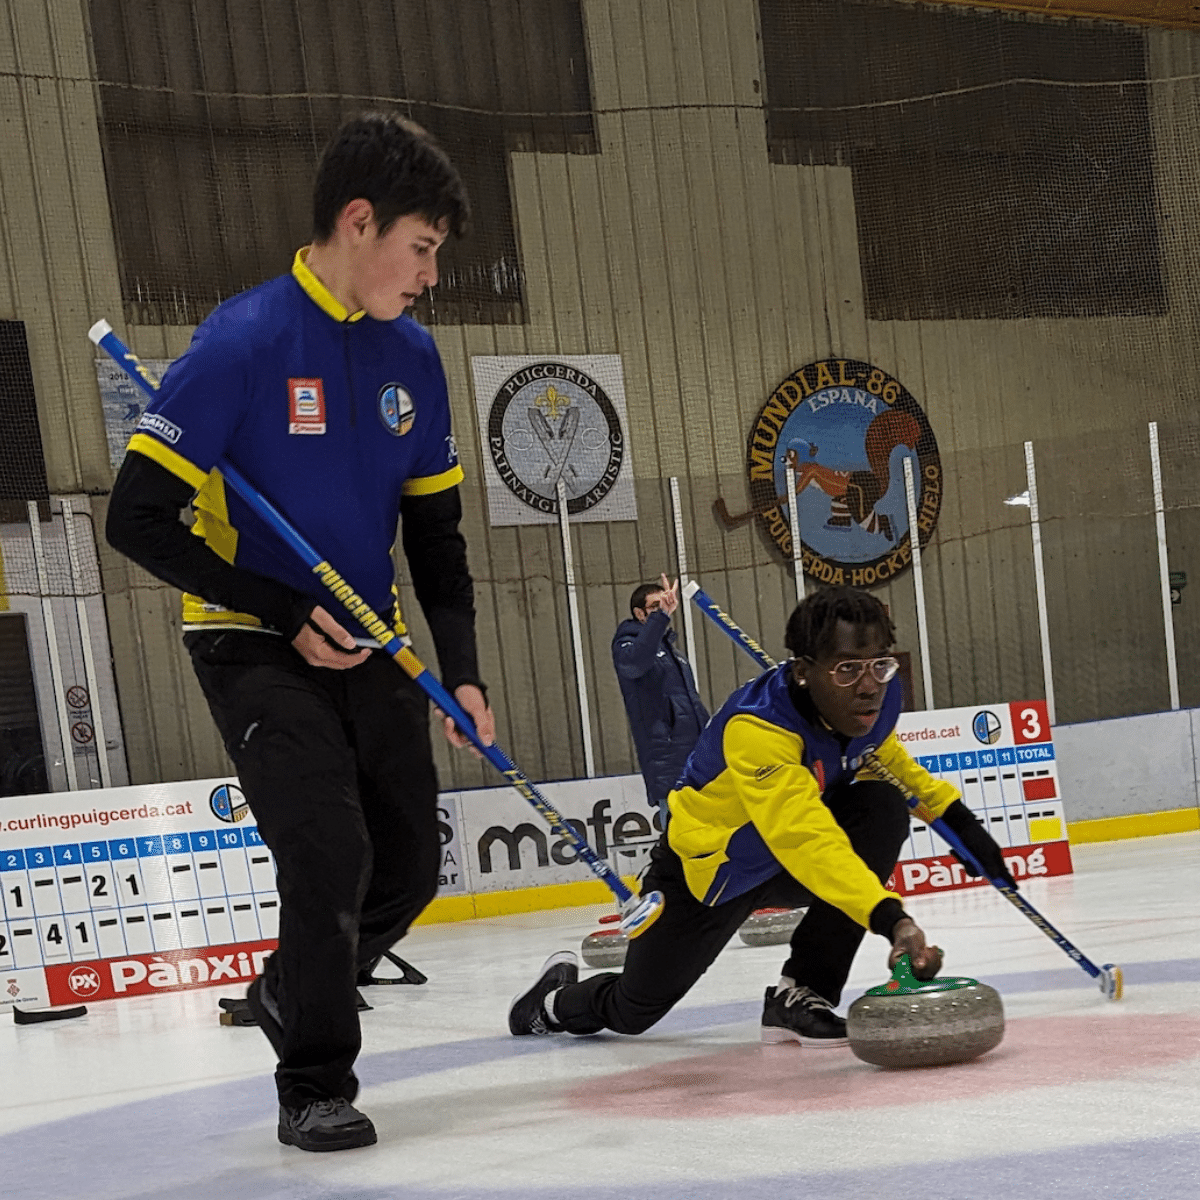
664 962
338 771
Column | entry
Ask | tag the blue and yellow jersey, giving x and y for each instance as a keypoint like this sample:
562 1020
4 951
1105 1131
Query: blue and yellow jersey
749 802
331 415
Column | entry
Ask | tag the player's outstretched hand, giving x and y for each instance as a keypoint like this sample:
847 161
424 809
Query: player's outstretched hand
322 642
907 938
476 706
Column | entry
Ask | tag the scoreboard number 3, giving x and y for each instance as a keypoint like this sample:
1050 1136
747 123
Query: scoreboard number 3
1030 722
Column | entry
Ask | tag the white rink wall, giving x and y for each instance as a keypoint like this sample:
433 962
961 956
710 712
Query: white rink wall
1130 765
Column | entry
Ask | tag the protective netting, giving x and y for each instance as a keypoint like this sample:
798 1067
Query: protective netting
214 114
1003 167
997 216
22 463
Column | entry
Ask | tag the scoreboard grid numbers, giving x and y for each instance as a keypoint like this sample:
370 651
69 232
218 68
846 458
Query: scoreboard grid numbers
1008 777
1013 790
84 901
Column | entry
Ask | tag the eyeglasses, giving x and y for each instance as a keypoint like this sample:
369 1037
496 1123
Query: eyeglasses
848 673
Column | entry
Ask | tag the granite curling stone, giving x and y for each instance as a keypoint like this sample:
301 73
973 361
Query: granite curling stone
606 947
909 1023
770 926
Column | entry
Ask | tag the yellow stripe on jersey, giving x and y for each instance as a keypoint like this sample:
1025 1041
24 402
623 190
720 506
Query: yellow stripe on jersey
320 295
157 452
212 518
427 485
212 524
198 614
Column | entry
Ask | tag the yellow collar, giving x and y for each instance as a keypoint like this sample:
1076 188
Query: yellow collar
320 295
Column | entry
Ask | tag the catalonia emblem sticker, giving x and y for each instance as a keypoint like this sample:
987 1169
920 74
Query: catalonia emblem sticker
986 727
396 409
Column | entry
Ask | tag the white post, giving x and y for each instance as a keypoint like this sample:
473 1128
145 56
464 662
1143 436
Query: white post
794 519
1164 574
60 698
1039 575
85 632
689 632
585 715
914 537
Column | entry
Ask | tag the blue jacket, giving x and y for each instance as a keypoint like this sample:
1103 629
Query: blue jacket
665 712
333 416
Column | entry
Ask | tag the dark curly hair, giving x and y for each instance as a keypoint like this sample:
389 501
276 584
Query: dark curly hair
812 627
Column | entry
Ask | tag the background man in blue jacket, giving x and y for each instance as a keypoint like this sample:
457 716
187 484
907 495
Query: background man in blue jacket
665 712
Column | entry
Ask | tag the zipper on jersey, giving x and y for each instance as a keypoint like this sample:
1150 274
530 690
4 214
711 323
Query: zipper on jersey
349 373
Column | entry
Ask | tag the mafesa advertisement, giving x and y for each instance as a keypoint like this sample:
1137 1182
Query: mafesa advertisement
128 891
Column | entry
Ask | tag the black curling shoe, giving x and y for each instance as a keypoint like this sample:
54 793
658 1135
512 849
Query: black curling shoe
325 1125
526 1015
798 1014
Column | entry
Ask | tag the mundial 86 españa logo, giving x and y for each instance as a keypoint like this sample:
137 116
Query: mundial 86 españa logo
832 440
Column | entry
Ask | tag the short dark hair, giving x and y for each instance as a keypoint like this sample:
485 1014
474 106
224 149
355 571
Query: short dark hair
812 627
641 593
396 165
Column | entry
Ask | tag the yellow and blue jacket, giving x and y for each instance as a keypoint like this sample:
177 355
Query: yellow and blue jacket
749 806
334 418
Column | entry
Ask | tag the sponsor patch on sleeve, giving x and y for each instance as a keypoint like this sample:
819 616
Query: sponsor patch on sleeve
159 426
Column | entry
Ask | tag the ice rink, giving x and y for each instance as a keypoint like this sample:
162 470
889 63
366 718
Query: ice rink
150 1096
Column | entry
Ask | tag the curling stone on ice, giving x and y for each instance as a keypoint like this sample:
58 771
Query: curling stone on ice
910 1023
770 926
606 947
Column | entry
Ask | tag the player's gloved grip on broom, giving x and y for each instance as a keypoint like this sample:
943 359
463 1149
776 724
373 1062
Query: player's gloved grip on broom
962 821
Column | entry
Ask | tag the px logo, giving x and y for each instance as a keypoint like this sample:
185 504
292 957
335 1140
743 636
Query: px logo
84 981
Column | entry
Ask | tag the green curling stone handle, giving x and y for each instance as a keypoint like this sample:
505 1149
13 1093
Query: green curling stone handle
904 983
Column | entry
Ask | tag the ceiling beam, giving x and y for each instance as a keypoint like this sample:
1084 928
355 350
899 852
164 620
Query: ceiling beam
1169 14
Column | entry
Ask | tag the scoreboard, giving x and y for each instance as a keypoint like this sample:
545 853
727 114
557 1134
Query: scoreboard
1001 758
182 889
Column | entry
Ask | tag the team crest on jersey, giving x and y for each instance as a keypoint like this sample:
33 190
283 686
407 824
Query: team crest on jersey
306 406
396 409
